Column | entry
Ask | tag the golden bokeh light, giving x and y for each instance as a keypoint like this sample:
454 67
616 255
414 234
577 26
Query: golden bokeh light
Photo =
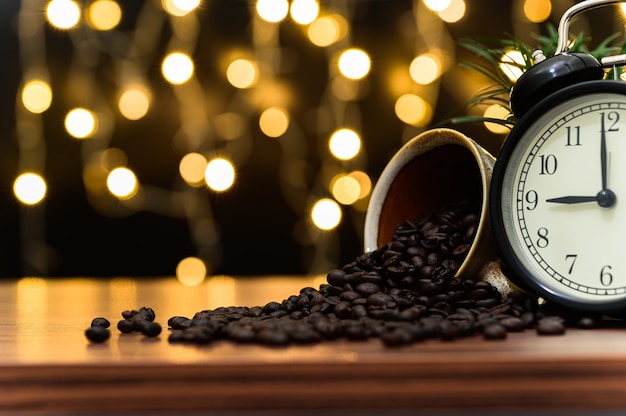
496 111
81 123
425 69
274 121
272 11
454 12
537 11
134 103
63 14
365 183
122 183
191 271
104 14
304 11
344 144
30 188
327 30
219 174
192 167
242 73
326 214
413 109
510 64
437 5
354 63
177 68
37 96
179 7
345 189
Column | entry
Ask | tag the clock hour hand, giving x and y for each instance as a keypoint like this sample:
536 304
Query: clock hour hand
605 198
571 199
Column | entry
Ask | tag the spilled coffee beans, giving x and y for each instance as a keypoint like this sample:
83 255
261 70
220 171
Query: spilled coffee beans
401 293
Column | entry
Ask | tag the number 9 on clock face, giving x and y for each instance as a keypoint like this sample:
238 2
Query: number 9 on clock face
558 197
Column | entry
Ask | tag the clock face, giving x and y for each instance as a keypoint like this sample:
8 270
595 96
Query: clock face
561 206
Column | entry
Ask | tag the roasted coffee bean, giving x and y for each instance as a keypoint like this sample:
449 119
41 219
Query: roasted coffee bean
397 336
495 331
513 324
97 334
587 322
125 326
550 326
366 289
100 322
151 329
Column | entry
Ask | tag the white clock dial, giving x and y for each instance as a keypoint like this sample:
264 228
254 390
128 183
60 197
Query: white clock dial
563 199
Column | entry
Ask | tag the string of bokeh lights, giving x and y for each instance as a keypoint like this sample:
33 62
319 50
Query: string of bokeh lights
110 182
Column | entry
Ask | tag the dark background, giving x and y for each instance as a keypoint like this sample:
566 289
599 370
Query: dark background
258 227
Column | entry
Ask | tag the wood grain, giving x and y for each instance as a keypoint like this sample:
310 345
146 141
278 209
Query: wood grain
47 365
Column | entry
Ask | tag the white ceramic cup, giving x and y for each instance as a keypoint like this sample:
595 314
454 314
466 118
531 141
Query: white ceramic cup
432 170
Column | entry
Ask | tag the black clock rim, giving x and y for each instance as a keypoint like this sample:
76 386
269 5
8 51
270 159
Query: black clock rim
527 282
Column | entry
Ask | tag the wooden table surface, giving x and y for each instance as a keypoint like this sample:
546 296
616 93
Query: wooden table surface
48 366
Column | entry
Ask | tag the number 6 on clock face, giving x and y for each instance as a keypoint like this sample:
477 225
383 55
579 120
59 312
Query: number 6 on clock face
558 199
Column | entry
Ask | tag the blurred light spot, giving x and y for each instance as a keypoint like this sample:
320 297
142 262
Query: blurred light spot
537 11
327 30
437 5
122 183
134 103
326 214
242 73
192 167
219 174
81 123
365 183
63 14
354 63
191 271
272 10
104 14
179 7
425 69
413 109
344 144
229 125
510 64
623 8
29 188
304 11
454 12
177 68
112 158
37 96
498 112
346 189
274 122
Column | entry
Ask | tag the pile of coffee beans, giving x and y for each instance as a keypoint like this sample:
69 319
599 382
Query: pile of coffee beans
403 292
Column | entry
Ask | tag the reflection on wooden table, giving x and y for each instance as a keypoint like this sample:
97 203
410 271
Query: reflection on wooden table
47 365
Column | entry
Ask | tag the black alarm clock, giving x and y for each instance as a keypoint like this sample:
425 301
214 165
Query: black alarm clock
558 191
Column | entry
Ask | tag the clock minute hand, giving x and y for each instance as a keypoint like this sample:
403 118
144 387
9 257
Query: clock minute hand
572 199
603 162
